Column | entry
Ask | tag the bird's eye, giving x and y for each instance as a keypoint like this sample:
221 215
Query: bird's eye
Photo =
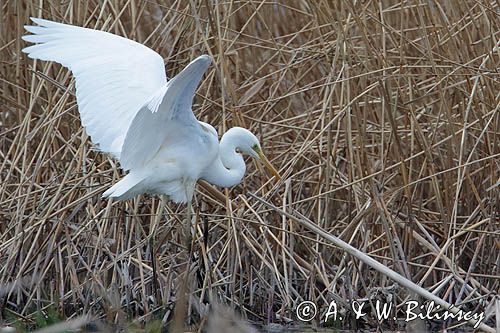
238 150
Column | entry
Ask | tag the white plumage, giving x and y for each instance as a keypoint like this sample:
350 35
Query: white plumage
131 111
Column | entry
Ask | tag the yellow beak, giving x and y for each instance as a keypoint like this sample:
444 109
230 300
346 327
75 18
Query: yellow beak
267 164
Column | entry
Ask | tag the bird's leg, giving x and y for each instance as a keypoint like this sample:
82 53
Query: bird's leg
181 308
187 229
152 245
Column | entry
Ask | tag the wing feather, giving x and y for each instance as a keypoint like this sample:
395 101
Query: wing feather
169 106
115 76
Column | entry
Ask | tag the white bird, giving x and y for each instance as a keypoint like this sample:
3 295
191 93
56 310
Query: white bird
132 112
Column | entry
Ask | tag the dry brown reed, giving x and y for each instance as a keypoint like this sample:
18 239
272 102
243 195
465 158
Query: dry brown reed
382 116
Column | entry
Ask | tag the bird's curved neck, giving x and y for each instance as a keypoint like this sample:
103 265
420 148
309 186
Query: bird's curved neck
228 170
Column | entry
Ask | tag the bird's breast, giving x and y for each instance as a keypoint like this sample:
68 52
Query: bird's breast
188 150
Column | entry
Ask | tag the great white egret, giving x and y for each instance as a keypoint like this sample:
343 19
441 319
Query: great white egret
131 111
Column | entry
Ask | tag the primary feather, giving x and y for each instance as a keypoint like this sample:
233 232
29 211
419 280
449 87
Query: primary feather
114 75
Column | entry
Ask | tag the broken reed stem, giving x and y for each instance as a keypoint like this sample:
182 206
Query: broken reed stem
373 263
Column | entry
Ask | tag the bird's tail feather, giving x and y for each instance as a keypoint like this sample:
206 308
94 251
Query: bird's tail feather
124 189
135 183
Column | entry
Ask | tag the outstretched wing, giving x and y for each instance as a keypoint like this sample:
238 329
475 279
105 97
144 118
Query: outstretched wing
115 76
169 106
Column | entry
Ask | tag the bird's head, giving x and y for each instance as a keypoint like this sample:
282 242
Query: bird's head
247 143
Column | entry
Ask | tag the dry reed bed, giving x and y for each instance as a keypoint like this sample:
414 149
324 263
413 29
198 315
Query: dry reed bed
382 116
